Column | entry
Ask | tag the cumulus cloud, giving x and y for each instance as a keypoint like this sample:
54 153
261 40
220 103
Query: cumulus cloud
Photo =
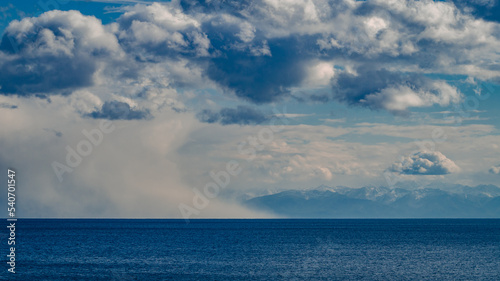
59 50
242 115
398 98
401 47
495 170
425 163
259 79
260 51
161 30
117 110
393 91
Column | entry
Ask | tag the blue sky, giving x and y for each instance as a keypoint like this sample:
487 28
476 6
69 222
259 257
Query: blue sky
365 91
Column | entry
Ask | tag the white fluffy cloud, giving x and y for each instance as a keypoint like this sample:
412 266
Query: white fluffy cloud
426 163
398 98
495 170
162 29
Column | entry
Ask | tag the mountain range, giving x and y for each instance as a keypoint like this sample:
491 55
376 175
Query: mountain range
432 201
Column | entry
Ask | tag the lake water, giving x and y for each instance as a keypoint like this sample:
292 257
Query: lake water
309 249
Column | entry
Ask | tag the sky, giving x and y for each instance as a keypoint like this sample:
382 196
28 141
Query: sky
172 109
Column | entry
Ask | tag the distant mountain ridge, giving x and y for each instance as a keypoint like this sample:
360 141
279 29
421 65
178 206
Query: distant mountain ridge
447 201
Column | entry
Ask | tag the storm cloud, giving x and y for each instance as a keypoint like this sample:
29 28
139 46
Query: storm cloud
117 110
242 115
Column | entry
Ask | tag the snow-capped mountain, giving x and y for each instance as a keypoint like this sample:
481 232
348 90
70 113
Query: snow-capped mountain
432 201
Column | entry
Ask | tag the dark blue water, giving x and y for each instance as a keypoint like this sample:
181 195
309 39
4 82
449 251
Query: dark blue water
256 250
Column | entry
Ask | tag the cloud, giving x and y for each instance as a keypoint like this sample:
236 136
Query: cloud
242 115
495 170
57 51
8 105
117 110
177 153
266 51
105 183
259 78
246 62
487 9
386 56
392 91
161 30
488 3
425 163
52 131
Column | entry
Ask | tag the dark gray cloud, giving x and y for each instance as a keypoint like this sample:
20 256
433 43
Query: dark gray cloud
117 110
8 105
354 88
55 132
242 115
49 74
391 90
260 78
